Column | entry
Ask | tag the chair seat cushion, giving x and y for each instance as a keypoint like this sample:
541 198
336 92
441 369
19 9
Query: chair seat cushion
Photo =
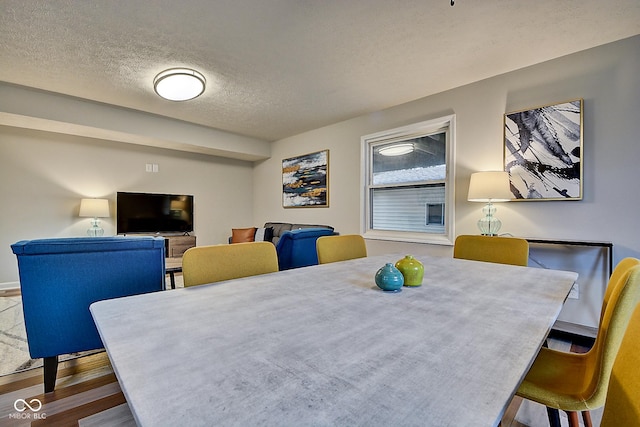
560 380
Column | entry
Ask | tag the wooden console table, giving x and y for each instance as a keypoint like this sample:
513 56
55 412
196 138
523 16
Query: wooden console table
175 246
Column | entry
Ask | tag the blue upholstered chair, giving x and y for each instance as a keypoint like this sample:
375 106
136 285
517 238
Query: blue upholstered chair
297 248
60 278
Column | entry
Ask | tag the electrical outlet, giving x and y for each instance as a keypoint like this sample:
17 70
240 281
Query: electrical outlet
574 293
149 167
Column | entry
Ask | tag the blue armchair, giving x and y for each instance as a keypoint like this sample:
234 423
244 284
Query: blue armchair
60 278
297 248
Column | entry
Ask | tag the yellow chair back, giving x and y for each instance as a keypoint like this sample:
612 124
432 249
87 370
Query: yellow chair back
208 264
340 248
501 250
622 407
621 269
616 312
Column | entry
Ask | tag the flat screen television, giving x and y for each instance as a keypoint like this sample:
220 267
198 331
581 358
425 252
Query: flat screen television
153 213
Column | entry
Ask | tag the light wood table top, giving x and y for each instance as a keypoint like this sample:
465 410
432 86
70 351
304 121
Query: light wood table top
322 345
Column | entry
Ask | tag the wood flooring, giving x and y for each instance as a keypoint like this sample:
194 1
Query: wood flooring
87 393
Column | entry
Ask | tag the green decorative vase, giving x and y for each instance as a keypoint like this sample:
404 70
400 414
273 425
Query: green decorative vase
412 270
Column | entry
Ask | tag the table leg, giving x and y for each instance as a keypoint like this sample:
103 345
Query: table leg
554 417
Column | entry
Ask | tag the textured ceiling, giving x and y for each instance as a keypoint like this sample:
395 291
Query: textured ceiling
276 68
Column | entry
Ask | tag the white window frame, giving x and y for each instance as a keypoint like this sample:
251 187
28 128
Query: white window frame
407 132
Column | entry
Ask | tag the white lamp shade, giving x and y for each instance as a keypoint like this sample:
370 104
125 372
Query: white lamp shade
489 186
95 208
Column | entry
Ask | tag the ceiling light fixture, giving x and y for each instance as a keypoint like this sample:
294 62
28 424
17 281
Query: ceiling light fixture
396 150
179 84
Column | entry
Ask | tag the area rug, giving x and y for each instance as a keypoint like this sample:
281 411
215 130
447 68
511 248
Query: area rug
14 352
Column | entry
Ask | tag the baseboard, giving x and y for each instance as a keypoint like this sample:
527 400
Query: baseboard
9 289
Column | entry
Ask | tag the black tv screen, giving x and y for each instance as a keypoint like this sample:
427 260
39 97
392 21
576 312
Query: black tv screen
154 213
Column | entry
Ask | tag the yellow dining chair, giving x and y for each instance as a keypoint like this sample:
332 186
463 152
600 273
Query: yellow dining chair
621 269
340 248
501 250
577 382
622 407
208 264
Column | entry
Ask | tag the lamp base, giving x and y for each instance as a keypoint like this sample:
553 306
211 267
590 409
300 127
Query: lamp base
489 225
95 230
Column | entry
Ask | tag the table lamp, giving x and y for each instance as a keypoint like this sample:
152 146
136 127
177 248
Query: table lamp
96 208
489 187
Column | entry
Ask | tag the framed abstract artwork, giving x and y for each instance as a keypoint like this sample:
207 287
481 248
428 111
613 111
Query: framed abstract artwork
543 152
305 180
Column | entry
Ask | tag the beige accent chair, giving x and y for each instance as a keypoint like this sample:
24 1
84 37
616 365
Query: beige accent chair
340 248
501 250
209 264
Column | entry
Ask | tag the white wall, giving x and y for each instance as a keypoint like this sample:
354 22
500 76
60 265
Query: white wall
44 175
606 77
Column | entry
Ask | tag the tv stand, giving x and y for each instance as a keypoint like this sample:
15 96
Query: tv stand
176 245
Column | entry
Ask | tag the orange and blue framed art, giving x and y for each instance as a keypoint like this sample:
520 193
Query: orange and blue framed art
305 180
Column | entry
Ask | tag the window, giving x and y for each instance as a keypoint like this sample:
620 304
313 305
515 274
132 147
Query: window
408 183
435 213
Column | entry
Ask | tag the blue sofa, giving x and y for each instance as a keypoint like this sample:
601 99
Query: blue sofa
60 278
297 248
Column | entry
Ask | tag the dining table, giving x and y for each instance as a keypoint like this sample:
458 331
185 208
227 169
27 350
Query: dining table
324 346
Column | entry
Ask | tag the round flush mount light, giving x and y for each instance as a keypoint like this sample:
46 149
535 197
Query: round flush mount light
396 149
179 84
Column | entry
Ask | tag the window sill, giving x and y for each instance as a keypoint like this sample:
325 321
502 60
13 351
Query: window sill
409 237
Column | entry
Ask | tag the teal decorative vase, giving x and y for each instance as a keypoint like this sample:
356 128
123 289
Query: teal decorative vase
389 278
412 270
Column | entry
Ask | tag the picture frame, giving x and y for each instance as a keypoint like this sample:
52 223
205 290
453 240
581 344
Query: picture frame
305 180
543 152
